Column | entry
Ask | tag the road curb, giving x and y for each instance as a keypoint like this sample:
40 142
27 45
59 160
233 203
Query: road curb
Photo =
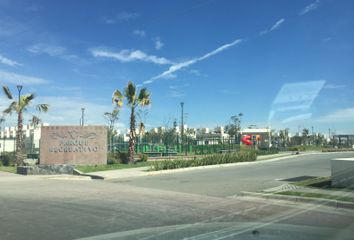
325 202
92 176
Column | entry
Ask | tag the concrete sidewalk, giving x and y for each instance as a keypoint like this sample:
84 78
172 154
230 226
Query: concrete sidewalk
144 171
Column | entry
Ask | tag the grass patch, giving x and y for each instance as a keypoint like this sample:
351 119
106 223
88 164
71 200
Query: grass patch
10 169
318 195
116 166
321 182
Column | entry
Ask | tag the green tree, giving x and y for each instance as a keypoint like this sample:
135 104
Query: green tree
305 136
284 137
20 106
234 126
134 100
112 118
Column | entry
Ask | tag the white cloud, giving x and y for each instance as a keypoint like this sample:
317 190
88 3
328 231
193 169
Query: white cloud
130 56
9 62
121 17
277 24
158 43
309 8
42 48
274 27
340 115
139 32
14 78
178 66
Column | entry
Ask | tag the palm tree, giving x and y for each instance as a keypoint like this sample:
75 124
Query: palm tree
133 101
19 107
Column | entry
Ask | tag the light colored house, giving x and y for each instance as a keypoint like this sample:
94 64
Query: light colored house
31 138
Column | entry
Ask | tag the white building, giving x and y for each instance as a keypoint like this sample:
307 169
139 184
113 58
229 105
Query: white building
31 139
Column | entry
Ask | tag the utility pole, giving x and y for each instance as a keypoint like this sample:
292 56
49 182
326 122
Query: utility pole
182 127
82 116
313 137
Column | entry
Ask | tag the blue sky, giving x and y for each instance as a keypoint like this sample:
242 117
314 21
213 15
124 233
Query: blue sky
280 63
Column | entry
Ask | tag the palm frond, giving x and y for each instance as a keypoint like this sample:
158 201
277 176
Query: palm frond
115 112
7 92
130 93
26 100
11 108
144 97
117 98
43 107
35 120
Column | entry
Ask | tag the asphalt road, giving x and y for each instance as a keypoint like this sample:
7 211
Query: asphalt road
71 208
230 181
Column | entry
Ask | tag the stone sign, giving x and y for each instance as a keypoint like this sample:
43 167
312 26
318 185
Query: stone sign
74 145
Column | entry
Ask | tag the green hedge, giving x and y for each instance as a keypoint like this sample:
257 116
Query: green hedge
337 150
208 160
297 148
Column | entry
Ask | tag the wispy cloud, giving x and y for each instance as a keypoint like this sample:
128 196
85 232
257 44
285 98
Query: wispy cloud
14 78
327 39
130 56
177 91
334 86
309 8
178 66
274 27
63 110
139 32
55 51
340 115
277 24
9 62
121 17
42 48
158 43
299 117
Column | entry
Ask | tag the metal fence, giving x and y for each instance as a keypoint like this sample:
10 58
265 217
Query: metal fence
186 147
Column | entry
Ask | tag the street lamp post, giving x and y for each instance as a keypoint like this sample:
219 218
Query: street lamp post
19 128
182 126
82 116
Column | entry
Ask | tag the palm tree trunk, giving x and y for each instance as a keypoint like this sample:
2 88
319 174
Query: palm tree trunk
132 136
19 158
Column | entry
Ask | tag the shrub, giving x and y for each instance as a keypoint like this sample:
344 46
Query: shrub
267 151
33 155
123 157
117 157
143 157
8 159
297 148
208 160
